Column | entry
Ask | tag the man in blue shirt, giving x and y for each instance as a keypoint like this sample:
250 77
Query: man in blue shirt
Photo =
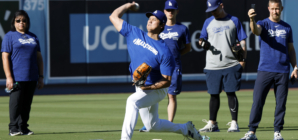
276 54
223 71
177 38
149 48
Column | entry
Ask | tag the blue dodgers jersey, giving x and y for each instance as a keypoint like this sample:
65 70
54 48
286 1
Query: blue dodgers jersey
175 37
274 41
142 48
23 54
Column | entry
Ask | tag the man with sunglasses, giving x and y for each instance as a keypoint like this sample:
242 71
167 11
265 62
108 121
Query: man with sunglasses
223 71
177 38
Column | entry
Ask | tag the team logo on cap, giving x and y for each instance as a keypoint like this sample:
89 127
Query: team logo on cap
209 4
170 4
155 12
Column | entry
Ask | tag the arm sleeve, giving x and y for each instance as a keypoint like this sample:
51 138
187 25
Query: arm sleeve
186 40
6 44
167 65
204 33
241 35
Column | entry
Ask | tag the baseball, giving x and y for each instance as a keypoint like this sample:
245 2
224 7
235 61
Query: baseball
137 6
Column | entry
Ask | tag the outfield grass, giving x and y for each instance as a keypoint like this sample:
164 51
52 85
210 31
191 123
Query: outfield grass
100 116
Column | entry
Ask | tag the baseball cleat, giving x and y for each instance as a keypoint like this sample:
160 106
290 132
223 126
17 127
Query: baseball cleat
143 129
249 136
277 136
14 133
233 127
209 127
192 132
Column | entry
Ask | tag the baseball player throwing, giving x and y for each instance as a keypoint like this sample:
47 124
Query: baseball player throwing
150 49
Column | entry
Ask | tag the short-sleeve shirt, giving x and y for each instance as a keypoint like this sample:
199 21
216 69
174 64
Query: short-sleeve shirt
142 48
23 50
274 39
175 37
222 35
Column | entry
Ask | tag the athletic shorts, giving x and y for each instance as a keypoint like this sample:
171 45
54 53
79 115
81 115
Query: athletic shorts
228 79
176 83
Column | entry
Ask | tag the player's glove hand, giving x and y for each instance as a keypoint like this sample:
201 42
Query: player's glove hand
205 44
238 51
140 74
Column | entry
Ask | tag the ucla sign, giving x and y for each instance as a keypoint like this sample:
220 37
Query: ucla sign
93 38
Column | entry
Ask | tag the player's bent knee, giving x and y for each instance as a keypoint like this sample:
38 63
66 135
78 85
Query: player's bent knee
131 102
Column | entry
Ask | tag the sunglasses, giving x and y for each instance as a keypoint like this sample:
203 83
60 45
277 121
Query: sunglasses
24 21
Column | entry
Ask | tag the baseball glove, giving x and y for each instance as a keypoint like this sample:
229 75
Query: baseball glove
140 74
238 51
205 44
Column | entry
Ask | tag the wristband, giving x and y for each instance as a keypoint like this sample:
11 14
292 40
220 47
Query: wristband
295 68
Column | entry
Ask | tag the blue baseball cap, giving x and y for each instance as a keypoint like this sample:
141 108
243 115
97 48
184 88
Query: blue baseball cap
159 15
212 5
171 4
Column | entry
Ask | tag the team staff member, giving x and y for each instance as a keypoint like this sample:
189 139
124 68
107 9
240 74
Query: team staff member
276 54
177 38
223 70
22 63
148 48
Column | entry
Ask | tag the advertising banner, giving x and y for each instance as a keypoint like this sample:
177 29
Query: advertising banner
86 48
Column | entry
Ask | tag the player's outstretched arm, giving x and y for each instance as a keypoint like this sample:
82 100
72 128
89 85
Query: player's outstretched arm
256 29
115 17
292 55
163 83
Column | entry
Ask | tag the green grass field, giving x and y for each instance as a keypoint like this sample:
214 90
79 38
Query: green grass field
100 116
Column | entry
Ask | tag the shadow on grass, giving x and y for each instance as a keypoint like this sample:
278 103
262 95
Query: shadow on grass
286 128
80 132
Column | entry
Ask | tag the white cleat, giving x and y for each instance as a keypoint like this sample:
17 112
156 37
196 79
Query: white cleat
277 136
209 127
249 136
192 132
233 127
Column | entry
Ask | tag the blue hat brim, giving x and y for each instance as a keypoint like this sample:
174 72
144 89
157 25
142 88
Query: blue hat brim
210 9
170 8
148 14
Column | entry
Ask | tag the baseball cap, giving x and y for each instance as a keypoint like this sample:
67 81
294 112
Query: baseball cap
171 4
212 5
159 15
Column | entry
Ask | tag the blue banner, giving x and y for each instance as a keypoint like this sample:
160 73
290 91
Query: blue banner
95 35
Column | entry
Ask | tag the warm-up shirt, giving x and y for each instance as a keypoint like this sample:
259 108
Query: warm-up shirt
222 35
142 48
175 37
274 39
23 50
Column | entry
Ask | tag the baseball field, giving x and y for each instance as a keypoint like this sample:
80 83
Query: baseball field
100 117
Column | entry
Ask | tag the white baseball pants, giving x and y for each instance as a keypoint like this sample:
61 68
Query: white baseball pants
146 101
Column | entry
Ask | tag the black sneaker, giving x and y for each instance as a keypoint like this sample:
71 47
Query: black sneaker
14 133
27 132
